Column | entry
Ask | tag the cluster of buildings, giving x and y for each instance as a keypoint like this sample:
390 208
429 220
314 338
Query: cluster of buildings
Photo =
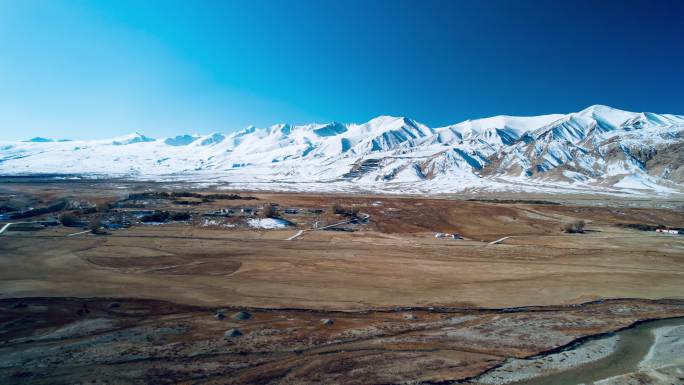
252 211
243 211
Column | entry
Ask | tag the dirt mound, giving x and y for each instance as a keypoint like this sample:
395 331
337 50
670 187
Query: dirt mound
232 333
241 316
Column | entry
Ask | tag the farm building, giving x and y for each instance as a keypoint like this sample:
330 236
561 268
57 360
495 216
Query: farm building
221 213
454 236
247 211
669 231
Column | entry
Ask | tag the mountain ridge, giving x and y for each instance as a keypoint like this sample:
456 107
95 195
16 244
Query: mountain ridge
599 148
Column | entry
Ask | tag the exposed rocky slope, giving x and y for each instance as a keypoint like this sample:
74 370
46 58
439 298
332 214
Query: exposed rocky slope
597 149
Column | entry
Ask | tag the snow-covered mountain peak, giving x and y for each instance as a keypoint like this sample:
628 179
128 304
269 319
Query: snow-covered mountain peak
181 140
280 128
135 137
601 109
388 121
518 124
39 139
607 117
599 147
211 139
385 123
330 129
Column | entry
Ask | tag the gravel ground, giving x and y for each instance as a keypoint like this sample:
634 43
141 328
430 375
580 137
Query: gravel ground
664 363
522 369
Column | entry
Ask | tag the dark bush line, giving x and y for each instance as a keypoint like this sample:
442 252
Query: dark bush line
164 216
7 209
89 210
186 194
525 201
71 220
186 203
642 226
158 216
180 216
58 206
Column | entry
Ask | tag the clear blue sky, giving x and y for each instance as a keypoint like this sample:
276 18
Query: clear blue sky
93 69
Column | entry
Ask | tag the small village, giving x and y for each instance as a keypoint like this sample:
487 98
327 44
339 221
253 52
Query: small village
211 211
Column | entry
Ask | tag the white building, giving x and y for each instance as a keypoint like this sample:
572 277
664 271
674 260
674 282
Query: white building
668 231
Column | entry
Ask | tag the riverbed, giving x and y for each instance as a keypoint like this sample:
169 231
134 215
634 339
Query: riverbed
606 360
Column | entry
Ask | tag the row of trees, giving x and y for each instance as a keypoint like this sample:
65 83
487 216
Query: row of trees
269 211
72 220
349 211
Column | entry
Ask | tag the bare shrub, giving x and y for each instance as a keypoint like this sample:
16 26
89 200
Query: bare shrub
349 211
69 220
180 216
95 225
157 217
574 227
269 211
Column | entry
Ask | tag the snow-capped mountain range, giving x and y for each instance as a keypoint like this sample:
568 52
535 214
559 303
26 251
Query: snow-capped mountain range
599 149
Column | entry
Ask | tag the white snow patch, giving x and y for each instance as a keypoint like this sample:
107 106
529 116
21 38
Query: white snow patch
268 223
216 223
642 182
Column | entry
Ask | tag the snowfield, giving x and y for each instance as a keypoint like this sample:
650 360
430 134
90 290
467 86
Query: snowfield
597 150
268 223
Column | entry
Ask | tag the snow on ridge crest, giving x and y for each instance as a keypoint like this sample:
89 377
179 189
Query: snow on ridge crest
587 148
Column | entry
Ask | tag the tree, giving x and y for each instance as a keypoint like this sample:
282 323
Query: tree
157 216
95 225
269 211
574 227
185 216
69 220
349 211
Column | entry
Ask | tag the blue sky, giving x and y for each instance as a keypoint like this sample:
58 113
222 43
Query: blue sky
93 69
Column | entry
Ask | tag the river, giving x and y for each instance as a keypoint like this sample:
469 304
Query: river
632 347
